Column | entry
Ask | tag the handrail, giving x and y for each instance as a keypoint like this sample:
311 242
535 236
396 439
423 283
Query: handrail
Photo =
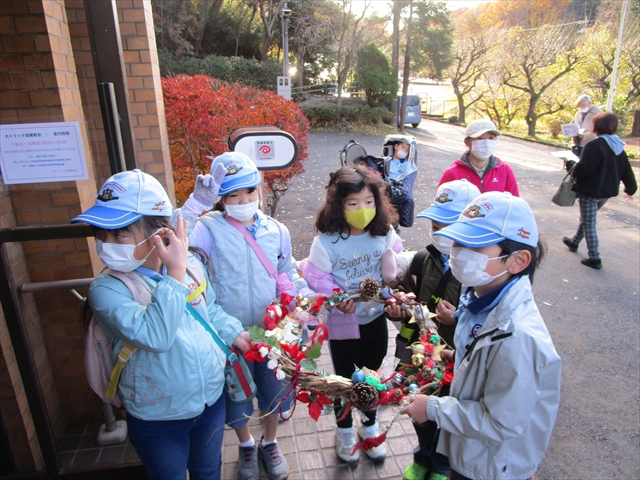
62 284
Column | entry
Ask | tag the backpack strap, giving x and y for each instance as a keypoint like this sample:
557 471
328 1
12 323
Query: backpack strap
142 295
442 284
416 267
194 270
273 273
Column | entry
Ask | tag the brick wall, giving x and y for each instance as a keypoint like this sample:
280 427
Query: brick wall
145 90
86 75
38 84
16 416
47 75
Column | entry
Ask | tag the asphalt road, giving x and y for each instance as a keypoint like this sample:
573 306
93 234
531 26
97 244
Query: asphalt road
593 316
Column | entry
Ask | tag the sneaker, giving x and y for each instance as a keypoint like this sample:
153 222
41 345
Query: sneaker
590 262
248 468
274 461
372 432
437 476
345 441
569 243
415 472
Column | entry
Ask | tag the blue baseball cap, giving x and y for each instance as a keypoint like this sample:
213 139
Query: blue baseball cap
451 199
125 198
241 172
491 218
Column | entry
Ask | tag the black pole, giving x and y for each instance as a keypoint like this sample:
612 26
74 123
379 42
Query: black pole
111 123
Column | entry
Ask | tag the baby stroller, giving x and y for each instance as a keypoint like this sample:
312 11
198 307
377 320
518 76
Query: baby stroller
399 177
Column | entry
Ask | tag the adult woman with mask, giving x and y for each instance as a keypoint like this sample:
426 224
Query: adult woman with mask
584 118
478 165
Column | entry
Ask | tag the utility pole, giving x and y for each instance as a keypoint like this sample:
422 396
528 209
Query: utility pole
286 13
406 71
284 82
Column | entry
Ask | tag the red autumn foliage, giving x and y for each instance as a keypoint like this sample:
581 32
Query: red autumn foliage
201 112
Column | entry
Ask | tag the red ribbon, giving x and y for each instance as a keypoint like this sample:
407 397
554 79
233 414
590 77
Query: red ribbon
369 443
320 334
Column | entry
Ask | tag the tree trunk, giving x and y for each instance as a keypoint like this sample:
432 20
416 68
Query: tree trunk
203 22
635 130
300 67
266 44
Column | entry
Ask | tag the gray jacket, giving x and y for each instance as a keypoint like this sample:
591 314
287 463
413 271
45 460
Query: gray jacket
505 394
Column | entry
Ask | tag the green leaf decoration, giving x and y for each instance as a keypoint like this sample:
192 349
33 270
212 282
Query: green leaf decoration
308 365
272 342
314 351
257 333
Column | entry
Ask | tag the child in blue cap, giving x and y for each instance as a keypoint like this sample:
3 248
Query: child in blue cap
171 386
505 395
245 288
429 277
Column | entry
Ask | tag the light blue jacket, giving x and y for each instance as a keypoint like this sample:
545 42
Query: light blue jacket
242 284
505 395
178 368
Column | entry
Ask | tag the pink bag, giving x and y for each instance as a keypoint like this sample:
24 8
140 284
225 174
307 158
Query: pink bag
283 282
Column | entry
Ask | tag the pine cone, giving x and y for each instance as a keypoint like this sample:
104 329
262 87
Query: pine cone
364 397
369 288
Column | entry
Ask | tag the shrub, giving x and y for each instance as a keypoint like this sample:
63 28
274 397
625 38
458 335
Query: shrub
241 70
453 119
328 113
202 112
320 114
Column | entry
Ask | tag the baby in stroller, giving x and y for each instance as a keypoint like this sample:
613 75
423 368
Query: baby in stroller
398 167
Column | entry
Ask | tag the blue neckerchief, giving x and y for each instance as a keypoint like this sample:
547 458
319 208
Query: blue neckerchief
614 143
490 299
445 261
147 272
253 229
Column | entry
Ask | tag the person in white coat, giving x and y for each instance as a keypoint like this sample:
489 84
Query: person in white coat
504 398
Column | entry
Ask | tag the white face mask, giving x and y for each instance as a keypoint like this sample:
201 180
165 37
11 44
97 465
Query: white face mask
584 110
443 244
468 267
401 154
120 257
244 212
483 149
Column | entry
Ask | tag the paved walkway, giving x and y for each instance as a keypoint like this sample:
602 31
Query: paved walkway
309 447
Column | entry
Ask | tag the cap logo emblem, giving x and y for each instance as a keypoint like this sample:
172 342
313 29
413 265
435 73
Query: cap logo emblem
443 198
473 212
232 170
107 195
159 206
524 234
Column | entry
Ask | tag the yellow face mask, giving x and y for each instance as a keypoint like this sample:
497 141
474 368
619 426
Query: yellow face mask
360 218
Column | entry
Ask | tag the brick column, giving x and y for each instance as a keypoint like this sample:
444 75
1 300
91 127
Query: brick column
38 84
145 90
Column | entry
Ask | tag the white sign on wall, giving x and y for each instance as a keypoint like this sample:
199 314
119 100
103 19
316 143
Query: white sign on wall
42 152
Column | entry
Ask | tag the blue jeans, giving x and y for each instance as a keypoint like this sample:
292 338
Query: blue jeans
271 396
167 448
425 453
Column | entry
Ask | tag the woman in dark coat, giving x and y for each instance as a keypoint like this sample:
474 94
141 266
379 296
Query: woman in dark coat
603 165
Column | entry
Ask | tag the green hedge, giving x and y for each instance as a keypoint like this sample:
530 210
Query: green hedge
241 70
329 113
